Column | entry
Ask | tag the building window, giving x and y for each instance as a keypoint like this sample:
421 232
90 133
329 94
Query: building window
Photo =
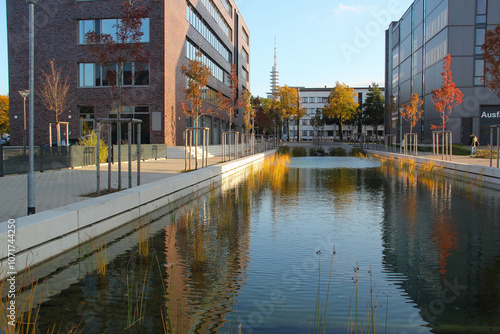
245 37
324 100
244 74
244 55
304 100
95 75
209 95
481 7
137 112
478 72
197 22
228 6
87 117
217 15
217 71
109 27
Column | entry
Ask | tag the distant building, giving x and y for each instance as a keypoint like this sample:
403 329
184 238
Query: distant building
153 93
415 47
314 99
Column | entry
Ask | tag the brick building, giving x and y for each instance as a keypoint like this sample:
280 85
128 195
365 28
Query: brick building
152 92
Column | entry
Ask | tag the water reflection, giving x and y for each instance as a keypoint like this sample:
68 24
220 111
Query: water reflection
206 255
444 236
247 257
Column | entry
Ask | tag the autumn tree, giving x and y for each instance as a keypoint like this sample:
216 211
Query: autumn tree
342 106
411 113
285 103
264 116
374 108
4 114
230 104
114 52
491 55
446 97
197 74
298 113
54 94
248 111
318 122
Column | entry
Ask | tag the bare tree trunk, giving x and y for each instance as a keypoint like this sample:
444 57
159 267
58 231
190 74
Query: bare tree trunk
58 131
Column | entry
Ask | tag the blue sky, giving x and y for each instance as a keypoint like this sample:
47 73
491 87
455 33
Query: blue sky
319 41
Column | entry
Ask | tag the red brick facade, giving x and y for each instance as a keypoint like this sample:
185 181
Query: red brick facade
56 37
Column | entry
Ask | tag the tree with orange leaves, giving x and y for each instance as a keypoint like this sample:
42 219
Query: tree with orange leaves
446 97
411 113
491 55
231 104
197 74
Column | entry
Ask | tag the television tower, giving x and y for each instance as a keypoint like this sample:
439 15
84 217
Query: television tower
274 74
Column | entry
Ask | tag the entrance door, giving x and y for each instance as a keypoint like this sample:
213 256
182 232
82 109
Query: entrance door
466 130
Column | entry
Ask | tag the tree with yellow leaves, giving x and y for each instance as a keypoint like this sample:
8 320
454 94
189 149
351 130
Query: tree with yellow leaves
4 114
411 113
342 106
285 102
248 111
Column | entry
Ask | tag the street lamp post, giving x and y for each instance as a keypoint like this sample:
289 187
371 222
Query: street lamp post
31 158
24 93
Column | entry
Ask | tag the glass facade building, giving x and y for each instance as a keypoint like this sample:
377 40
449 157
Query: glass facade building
415 47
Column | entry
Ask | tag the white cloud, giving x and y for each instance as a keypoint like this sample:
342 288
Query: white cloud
348 8
356 9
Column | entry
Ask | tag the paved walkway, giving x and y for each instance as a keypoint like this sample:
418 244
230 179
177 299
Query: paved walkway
57 188
62 187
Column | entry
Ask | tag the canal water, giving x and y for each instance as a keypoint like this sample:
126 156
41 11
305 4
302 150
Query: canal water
339 244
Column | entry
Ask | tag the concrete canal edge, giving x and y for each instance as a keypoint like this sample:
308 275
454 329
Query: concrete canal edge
47 234
483 176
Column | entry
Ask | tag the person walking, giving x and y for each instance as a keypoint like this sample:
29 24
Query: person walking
472 144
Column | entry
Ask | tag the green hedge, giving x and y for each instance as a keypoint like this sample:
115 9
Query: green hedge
337 152
299 152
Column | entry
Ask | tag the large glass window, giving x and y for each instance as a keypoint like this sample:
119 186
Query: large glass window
228 6
244 74
418 12
436 49
436 21
405 24
209 95
217 15
481 7
478 72
95 75
197 22
244 55
107 26
217 71
87 117
245 37
418 35
84 27
137 112
395 56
